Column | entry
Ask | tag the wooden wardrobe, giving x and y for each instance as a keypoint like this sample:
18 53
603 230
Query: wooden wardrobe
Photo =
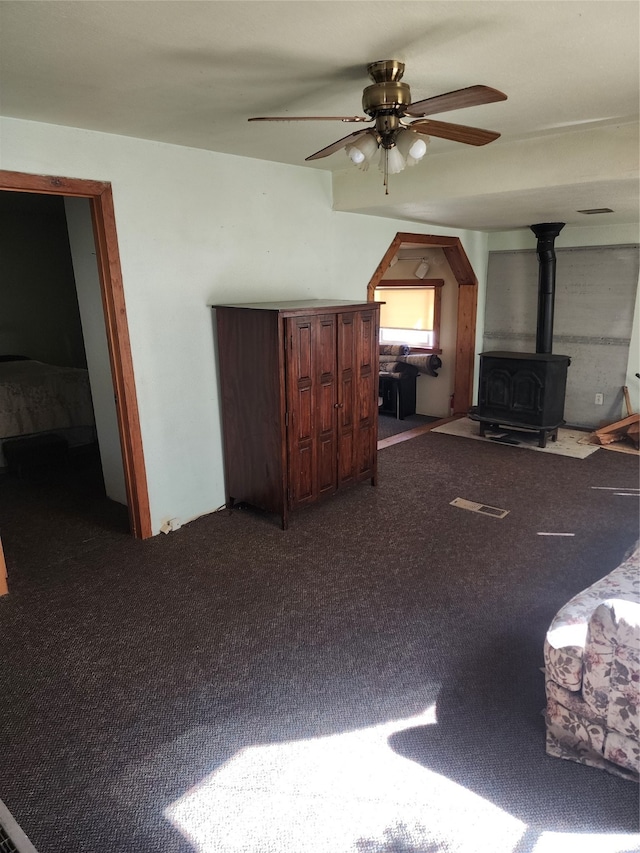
299 399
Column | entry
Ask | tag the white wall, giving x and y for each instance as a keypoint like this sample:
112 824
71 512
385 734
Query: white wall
85 269
197 228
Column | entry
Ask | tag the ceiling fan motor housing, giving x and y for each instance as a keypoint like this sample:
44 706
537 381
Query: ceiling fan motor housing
386 96
387 92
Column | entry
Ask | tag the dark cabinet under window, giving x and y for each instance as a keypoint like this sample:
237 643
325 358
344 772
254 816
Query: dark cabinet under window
397 395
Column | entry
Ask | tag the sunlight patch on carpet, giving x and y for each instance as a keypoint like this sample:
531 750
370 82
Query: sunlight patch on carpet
343 793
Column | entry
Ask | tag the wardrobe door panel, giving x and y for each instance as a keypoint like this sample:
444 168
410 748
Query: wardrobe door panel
301 409
346 397
325 357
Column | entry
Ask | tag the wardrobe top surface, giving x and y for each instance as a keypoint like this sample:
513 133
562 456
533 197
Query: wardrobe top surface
300 305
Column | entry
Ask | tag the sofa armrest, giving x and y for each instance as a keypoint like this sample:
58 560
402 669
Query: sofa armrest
611 665
566 638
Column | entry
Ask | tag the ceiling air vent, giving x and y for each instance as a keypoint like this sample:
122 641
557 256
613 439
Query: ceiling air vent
593 210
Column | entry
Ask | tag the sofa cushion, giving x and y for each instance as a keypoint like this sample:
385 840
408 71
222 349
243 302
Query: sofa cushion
567 635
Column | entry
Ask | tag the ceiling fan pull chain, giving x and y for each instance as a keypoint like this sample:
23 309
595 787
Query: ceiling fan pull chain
386 171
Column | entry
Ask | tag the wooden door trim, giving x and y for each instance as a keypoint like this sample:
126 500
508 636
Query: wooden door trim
4 589
108 259
467 305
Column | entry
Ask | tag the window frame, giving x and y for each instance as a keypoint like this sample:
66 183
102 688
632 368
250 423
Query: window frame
435 284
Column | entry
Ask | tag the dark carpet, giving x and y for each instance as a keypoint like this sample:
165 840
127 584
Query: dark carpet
389 425
366 681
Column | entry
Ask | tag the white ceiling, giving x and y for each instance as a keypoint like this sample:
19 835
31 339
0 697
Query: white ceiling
191 73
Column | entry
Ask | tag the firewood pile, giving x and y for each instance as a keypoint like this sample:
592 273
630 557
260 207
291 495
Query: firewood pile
627 429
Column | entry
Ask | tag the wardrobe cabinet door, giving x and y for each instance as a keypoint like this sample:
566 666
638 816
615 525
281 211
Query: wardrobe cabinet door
300 382
332 395
311 406
347 398
325 399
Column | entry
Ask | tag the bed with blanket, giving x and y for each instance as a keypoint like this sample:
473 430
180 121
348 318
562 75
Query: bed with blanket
37 398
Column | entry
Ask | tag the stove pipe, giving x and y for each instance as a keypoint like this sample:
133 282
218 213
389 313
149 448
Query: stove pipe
546 232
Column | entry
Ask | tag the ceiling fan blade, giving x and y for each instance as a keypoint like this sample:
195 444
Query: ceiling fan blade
310 118
455 132
472 96
336 146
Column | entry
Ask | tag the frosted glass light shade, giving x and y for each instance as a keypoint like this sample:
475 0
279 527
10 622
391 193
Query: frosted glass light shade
418 149
412 146
361 151
394 160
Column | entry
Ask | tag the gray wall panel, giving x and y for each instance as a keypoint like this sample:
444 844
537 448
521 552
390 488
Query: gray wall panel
594 303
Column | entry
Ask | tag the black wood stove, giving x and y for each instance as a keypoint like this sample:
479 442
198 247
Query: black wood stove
521 390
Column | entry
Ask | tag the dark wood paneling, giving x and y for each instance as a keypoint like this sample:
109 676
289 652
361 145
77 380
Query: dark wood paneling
367 394
325 404
301 408
248 352
465 349
346 367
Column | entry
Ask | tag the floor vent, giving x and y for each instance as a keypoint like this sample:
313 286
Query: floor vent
6 844
12 838
494 511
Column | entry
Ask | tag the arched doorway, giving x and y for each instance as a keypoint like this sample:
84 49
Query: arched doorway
466 307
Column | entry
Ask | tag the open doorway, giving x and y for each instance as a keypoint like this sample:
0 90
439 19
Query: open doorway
47 420
432 355
89 204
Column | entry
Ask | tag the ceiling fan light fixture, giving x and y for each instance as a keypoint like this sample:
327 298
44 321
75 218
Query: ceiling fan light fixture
412 147
362 150
417 150
391 161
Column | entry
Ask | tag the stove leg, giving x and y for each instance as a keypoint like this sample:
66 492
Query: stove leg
542 439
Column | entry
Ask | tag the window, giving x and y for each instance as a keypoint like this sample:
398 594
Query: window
410 314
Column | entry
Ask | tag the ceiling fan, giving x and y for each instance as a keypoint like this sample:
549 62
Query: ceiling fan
387 103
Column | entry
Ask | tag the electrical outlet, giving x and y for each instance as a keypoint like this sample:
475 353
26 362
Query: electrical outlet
599 399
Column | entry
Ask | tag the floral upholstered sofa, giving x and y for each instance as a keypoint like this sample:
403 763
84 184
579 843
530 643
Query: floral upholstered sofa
592 674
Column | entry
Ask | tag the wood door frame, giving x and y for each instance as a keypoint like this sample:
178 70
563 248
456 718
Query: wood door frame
113 304
4 589
466 312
